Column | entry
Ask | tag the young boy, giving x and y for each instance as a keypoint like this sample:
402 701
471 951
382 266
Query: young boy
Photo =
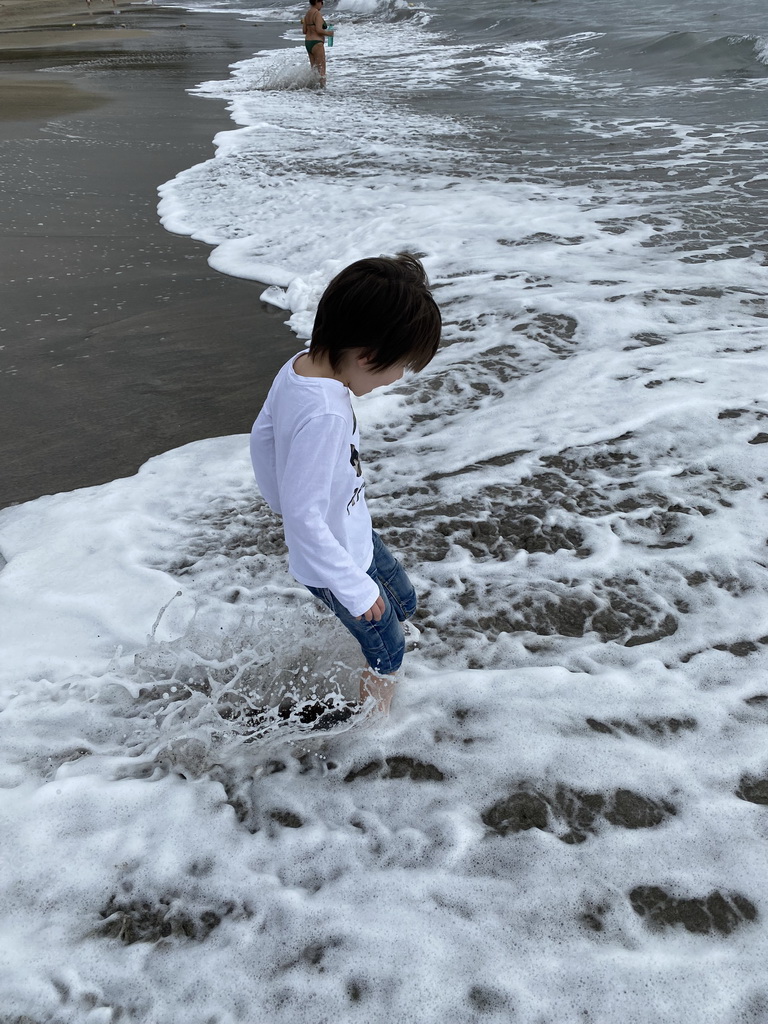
375 319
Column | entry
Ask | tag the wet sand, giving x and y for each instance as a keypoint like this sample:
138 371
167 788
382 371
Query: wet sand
48 14
117 341
47 26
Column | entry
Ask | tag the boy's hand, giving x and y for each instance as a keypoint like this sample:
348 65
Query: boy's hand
375 612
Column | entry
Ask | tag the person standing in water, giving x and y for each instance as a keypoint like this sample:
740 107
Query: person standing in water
375 319
316 30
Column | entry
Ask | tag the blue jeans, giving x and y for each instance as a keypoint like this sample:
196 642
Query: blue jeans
382 643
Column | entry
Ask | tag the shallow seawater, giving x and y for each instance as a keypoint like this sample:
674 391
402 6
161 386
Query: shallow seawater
564 819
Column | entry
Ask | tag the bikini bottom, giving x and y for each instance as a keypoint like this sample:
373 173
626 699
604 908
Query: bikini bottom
312 42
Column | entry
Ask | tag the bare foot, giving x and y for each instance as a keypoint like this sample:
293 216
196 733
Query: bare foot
381 688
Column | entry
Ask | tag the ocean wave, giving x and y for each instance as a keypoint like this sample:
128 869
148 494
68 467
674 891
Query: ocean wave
760 45
368 10
385 10
724 53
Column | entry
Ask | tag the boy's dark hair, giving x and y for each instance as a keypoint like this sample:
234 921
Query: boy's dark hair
382 305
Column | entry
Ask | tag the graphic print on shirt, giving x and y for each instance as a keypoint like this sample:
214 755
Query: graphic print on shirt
354 461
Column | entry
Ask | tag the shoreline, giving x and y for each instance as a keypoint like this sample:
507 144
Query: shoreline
52 25
20 14
107 350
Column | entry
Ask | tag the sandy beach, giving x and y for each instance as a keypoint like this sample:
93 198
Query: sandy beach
49 14
111 341
45 25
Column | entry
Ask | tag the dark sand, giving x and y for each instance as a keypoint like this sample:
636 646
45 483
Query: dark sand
117 341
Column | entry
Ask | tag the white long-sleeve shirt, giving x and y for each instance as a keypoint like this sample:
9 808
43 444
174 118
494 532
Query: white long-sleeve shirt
304 449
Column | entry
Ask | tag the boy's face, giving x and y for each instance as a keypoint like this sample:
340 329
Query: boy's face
361 379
